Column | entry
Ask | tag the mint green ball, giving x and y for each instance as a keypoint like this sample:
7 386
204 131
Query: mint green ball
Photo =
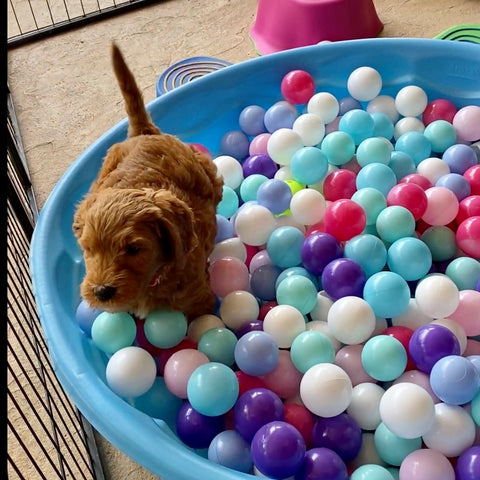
113 331
165 328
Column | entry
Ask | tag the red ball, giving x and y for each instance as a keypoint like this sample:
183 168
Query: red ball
439 109
472 175
468 236
297 87
265 308
468 207
344 219
409 195
247 382
403 335
420 180
339 184
302 419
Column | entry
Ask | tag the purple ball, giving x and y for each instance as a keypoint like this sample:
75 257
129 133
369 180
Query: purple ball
252 326
459 158
322 463
318 250
340 434
457 183
468 464
236 144
278 450
429 343
255 408
195 429
275 195
343 277
251 120
261 164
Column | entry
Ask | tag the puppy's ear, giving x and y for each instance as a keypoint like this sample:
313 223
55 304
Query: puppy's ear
78 223
176 223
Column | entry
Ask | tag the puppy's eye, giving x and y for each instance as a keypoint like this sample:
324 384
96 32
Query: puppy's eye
132 249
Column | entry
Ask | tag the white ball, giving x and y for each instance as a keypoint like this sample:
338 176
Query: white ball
201 324
452 432
230 169
284 173
324 105
437 295
322 327
311 129
364 84
131 371
433 168
364 407
307 206
407 124
284 323
254 224
384 104
411 101
326 390
407 410
230 247
282 144
324 302
351 320
412 317
237 308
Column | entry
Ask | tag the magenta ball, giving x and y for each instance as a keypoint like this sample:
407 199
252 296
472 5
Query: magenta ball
297 87
343 277
344 219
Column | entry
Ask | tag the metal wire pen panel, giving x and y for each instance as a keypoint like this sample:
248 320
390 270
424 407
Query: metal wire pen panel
30 20
47 437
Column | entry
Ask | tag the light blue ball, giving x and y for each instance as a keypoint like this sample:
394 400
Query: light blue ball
85 316
402 164
358 124
391 448
299 292
376 175
416 144
212 389
309 165
371 471
218 344
384 358
280 115
409 257
275 195
225 229
383 125
387 293
339 147
229 449
250 120
284 246
372 200
296 271
374 150
368 251
465 272
256 353
309 348
165 328
228 205
113 331
250 185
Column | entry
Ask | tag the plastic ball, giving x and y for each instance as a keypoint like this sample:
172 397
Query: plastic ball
351 320
322 463
371 471
372 201
229 449
409 257
235 143
403 334
308 206
468 236
309 165
384 104
326 389
281 114
343 277
263 280
203 390
324 105
218 345
296 271
297 291
441 134
376 175
407 124
395 222
284 323
374 150
411 101
256 353
459 158
311 129
284 246
310 348
258 145
260 164
439 109
472 174
131 371
467 466
402 165
466 313
297 87
250 120
441 242
433 168
425 464
344 219
230 247
113 331
466 122
429 343
382 125
318 250
418 179
387 293
364 83
468 207
339 147
409 195
282 144
85 315
237 308
254 223
230 169
384 358
339 184
365 403
224 229
348 357
465 272
278 449
416 144
195 429
228 274
228 205
358 124
437 295
407 410
456 183
348 103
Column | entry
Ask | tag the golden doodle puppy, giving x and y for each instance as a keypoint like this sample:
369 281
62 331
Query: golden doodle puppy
147 225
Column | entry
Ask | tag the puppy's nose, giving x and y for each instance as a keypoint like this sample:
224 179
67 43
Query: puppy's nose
104 292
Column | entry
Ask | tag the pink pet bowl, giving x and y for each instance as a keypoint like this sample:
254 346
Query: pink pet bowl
286 24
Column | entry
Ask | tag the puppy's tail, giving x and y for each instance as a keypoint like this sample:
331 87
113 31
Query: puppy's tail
139 121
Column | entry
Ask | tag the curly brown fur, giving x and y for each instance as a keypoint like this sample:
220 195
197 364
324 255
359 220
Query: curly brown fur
147 225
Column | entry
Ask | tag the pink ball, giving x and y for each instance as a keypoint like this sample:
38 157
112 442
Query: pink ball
284 379
179 368
344 219
426 464
258 145
349 358
468 236
467 123
472 175
468 207
228 274
473 348
260 258
439 109
297 87
466 313
409 195
442 207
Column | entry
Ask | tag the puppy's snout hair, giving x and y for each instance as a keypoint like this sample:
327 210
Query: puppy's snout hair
148 223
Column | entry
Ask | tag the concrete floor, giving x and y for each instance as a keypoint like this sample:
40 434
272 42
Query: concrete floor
66 97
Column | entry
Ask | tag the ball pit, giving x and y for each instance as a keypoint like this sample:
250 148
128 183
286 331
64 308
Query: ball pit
400 412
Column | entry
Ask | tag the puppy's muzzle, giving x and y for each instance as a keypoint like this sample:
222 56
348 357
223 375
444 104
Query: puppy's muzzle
104 292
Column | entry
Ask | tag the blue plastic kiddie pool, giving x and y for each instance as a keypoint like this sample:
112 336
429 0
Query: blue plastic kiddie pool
201 112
